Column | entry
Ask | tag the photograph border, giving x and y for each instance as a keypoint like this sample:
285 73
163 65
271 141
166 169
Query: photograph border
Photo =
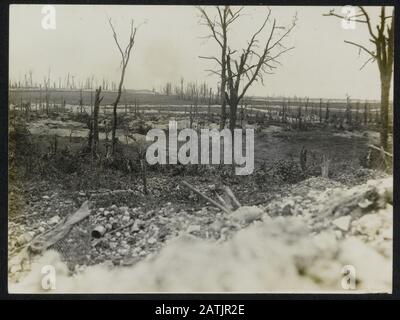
4 21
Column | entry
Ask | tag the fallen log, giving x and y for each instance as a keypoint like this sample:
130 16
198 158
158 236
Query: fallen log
49 238
381 150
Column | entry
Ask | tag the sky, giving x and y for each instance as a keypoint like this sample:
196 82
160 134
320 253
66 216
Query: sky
170 40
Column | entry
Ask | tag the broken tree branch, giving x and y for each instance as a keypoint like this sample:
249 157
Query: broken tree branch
219 206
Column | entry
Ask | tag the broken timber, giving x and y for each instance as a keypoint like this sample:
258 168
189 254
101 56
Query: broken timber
228 201
47 239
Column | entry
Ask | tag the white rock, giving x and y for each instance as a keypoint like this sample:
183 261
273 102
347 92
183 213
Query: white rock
152 241
15 268
135 228
54 220
343 223
365 203
368 224
31 234
247 214
387 233
113 245
124 210
24 238
193 228
123 251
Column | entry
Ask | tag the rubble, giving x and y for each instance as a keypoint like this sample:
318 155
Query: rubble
277 254
247 214
343 223
323 230
54 220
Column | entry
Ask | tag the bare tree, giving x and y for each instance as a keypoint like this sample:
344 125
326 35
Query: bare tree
382 53
125 55
97 102
219 32
251 65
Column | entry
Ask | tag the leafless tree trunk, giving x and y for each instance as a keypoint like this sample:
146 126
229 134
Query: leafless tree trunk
219 31
81 101
97 102
320 110
144 176
251 65
383 40
125 55
327 111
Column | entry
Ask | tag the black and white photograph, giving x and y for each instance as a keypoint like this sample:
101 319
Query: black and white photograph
200 149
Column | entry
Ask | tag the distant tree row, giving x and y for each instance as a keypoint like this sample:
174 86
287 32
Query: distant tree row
192 91
67 83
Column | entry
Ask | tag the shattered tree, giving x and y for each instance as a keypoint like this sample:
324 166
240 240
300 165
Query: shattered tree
383 54
125 55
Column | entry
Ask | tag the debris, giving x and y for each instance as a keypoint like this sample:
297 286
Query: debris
287 207
24 216
121 228
277 246
193 228
343 223
98 231
247 214
365 203
24 238
304 243
135 228
54 220
368 224
43 241
223 208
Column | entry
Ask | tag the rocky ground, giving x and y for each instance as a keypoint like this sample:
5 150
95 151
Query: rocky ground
295 230
298 239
